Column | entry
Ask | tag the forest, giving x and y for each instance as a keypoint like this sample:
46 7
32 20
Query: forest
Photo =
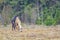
40 12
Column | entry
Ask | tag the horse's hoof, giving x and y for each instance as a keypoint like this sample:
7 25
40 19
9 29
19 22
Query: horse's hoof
20 31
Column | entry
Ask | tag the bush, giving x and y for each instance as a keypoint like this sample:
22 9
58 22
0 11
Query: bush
38 21
49 22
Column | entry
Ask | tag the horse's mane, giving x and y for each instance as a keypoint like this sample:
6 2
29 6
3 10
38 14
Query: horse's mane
14 18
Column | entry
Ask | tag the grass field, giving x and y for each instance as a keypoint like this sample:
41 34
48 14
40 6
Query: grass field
31 33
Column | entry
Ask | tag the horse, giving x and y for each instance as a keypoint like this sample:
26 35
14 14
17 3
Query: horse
16 24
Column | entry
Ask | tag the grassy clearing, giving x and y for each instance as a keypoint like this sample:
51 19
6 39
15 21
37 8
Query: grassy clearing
42 33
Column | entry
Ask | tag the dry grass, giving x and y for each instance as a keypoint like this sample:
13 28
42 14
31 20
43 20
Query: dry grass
42 33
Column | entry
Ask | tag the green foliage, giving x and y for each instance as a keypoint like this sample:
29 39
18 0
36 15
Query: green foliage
13 2
48 15
58 15
5 24
39 21
49 21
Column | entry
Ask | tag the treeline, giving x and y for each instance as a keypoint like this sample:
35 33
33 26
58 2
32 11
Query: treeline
41 12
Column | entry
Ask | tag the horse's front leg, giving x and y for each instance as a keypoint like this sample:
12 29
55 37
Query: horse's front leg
20 28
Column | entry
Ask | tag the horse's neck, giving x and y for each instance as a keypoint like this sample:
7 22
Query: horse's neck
17 19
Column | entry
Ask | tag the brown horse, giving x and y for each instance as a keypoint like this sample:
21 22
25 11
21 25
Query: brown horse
16 24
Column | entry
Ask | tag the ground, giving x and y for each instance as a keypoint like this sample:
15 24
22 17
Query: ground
33 32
